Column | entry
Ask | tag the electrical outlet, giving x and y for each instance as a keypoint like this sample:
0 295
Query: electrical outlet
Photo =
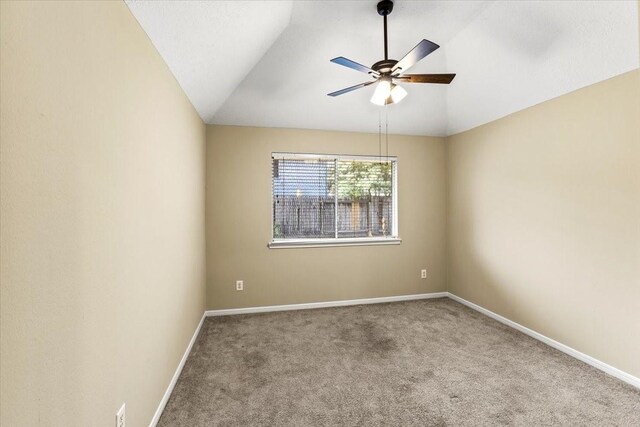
423 274
120 418
239 285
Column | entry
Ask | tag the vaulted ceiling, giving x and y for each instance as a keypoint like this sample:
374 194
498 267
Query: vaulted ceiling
266 63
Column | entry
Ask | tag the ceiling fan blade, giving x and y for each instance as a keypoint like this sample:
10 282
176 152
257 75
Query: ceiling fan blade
341 60
426 78
422 49
349 89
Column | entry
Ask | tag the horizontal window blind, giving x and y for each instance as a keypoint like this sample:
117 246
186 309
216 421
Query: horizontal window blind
332 197
303 198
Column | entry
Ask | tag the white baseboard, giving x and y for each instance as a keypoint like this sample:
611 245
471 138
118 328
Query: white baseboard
310 305
621 375
176 375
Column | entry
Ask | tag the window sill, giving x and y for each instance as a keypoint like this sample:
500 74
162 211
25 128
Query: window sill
321 243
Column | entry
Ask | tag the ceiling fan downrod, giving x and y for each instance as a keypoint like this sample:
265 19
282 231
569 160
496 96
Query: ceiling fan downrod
384 8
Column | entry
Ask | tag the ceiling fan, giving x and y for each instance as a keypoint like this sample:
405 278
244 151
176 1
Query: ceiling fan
389 71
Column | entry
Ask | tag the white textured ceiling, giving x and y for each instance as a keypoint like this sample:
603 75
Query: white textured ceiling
210 46
266 63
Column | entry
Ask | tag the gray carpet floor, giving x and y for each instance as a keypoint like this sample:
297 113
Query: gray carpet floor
428 363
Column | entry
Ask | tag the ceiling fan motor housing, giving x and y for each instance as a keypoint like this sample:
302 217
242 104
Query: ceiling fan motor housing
385 66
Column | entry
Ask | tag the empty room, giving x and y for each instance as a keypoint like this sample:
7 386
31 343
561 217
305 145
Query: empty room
319 213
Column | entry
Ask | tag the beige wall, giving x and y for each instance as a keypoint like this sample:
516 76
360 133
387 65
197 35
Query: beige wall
102 216
544 219
239 224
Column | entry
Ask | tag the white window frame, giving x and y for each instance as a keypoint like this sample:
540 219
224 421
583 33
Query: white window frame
393 239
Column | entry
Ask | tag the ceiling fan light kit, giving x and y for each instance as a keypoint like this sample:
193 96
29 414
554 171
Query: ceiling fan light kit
389 71
388 92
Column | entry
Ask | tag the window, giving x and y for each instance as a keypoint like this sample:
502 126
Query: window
320 199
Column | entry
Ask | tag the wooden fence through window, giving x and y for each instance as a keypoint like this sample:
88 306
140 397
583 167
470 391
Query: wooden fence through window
314 216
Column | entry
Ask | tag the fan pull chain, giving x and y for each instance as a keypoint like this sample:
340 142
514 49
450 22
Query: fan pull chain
379 136
386 129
